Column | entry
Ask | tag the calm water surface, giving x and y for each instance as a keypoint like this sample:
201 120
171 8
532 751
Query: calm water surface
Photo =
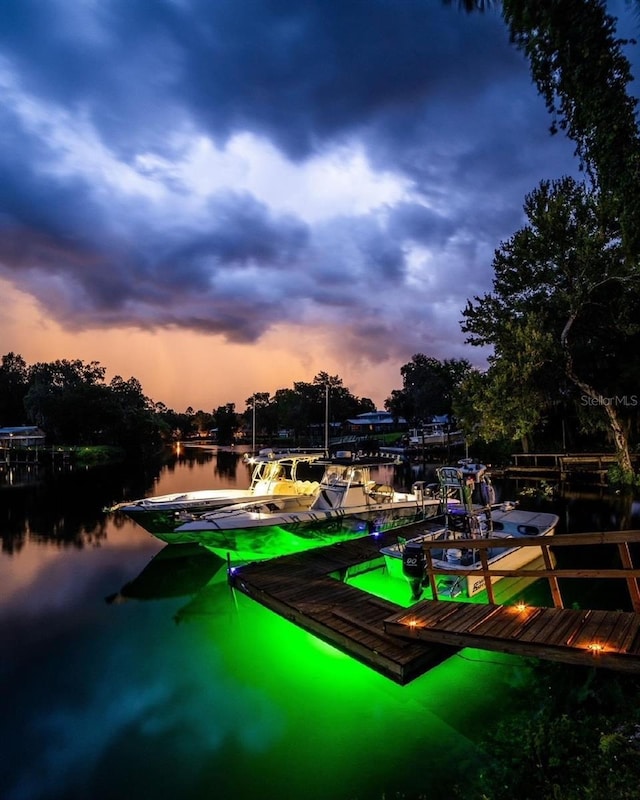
131 670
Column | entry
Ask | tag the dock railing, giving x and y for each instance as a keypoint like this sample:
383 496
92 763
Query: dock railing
622 539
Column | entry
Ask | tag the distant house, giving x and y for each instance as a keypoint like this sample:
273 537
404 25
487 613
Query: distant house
376 422
21 436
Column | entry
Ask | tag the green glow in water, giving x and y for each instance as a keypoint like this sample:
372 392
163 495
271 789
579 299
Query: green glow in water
397 590
330 726
251 544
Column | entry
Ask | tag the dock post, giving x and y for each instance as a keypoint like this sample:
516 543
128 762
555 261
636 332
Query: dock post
553 581
487 577
632 583
432 577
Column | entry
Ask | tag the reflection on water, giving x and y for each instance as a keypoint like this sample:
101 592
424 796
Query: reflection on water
176 571
189 690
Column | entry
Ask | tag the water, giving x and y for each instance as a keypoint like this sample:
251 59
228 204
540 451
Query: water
131 670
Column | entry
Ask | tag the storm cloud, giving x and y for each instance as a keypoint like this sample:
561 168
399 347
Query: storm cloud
234 165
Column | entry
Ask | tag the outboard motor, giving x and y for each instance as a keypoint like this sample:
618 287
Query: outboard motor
487 491
414 563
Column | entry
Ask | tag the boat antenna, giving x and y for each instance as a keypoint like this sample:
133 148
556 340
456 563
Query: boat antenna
326 419
253 426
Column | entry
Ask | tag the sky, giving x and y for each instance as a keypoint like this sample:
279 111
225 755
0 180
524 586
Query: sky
222 198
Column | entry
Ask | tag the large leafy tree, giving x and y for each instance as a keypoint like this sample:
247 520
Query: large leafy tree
227 423
134 423
508 401
261 409
67 399
571 275
579 67
428 386
562 312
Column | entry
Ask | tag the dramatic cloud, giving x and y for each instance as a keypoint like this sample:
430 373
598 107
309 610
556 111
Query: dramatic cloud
234 166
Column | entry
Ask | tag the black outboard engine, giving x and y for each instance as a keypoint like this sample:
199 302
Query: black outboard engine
414 564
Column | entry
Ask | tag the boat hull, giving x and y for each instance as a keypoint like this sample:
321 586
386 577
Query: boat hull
268 538
274 475
164 517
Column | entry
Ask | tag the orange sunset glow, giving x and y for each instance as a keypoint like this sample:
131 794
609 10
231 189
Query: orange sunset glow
181 369
220 215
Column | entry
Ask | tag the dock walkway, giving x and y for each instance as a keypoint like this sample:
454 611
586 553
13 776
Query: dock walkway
565 467
308 589
599 638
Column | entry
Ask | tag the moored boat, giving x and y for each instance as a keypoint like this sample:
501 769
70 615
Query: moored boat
275 474
347 503
454 545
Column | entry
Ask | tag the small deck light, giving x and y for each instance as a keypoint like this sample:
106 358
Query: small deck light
595 648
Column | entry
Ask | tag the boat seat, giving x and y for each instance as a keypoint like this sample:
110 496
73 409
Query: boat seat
306 487
381 492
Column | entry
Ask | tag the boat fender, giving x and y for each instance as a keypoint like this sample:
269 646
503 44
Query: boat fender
414 560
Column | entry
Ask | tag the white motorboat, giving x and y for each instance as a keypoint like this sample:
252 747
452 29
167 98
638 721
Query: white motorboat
465 524
434 434
347 503
275 474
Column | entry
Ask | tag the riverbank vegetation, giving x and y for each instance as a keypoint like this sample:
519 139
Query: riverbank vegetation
574 735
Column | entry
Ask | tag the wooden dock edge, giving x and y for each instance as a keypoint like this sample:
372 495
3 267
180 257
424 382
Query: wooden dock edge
574 649
399 670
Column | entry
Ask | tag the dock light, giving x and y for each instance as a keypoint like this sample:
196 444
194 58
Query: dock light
412 623
595 648
520 607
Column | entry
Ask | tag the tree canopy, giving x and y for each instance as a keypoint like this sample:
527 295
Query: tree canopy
561 316
428 387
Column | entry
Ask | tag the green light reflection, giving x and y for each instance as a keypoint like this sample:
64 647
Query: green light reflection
343 725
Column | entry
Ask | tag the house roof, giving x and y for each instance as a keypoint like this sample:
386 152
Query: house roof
376 418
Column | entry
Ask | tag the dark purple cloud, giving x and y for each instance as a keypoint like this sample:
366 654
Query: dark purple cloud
100 103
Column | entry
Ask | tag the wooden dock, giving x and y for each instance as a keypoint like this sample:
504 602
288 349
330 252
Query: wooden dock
565 467
308 589
599 638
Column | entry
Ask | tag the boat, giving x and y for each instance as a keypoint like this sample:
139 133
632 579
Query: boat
465 523
275 473
347 503
435 434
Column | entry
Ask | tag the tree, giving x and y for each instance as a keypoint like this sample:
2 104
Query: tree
428 388
562 311
305 405
67 399
136 426
265 411
13 388
226 421
580 70
286 402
